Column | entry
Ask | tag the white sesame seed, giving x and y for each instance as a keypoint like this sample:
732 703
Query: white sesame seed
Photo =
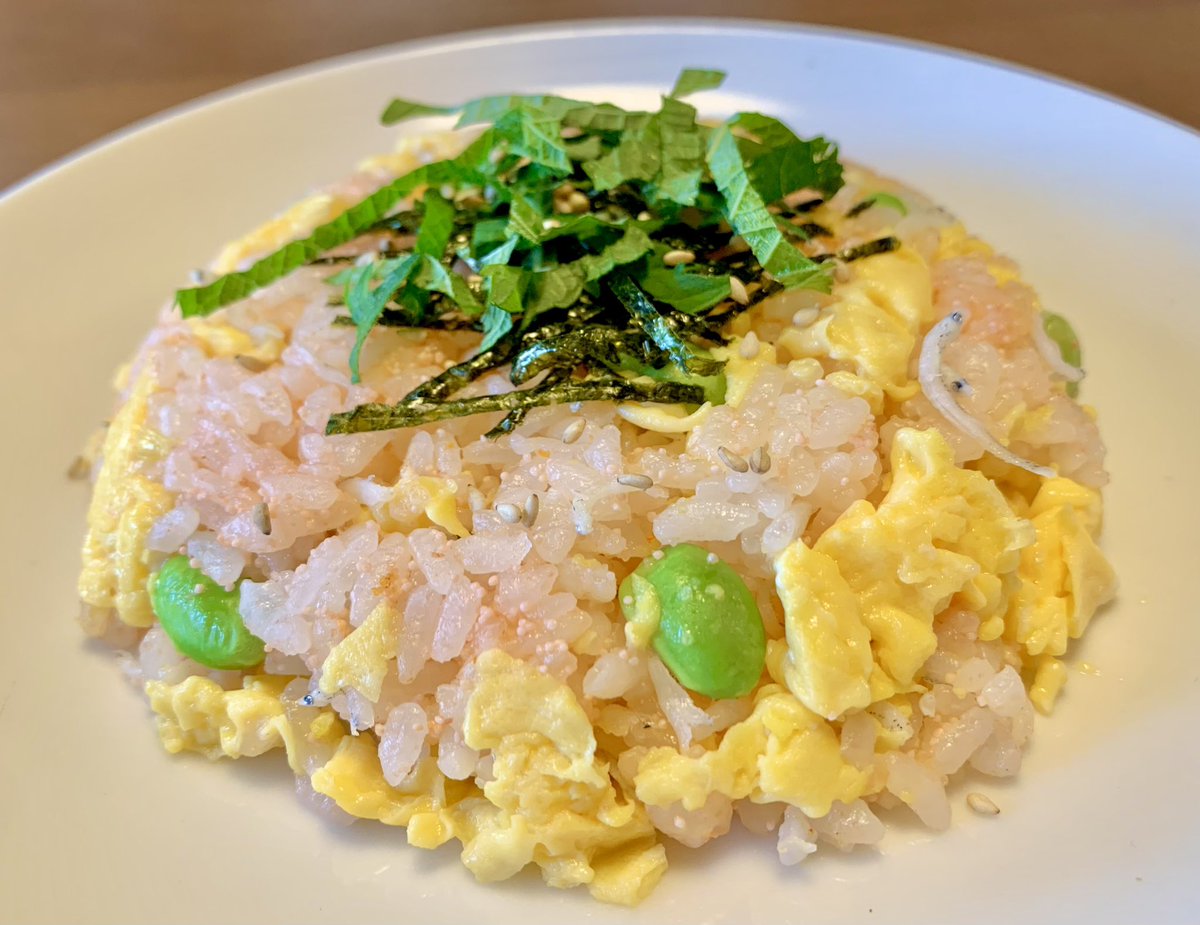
841 272
550 223
678 822
675 258
805 317
982 804
532 505
575 406
261 516
198 276
643 216
627 600
749 346
711 558
715 591
732 460
634 480
760 460
574 430
657 554
198 589
509 513
737 291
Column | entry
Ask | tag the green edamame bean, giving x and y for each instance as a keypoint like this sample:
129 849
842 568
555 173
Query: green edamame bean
202 618
710 634
1059 330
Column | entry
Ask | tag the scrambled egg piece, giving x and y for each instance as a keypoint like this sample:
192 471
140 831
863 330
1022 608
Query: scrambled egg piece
361 659
551 801
198 715
353 778
782 752
663 419
296 222
1049 676
1065 577
224 340
859 605
125 504
874 325
417 497
739 373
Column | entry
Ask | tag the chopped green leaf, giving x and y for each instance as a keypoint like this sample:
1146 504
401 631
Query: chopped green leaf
747 213
666 152
535 134
356 220
496 323
684 290
779 162
506 287
527 215
399 109
436 227
694 79
366 304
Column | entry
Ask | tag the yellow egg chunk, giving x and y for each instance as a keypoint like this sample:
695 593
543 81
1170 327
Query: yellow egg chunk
125 504
551 801
828 663
939 531
781 752
198 715
741 372
361 659
663 419
354 780
874 323
224 340
1048 679
417 501
1065 577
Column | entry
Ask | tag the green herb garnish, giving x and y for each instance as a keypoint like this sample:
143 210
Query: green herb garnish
548 234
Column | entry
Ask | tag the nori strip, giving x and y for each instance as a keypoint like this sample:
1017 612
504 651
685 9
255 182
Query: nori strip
374 417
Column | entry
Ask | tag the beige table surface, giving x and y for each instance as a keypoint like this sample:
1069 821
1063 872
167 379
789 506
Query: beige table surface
74 70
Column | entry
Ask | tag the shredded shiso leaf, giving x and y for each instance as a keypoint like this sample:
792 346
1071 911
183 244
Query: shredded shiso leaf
588 244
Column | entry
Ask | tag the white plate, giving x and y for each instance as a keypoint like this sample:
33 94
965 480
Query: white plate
1099 202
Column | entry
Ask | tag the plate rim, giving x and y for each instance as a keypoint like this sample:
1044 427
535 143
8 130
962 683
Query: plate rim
545 29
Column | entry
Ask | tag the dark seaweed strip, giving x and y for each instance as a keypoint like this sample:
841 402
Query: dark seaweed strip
662 332
515 418
870 249
374 417
806 206
860 208
813 230
459 375
594 344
